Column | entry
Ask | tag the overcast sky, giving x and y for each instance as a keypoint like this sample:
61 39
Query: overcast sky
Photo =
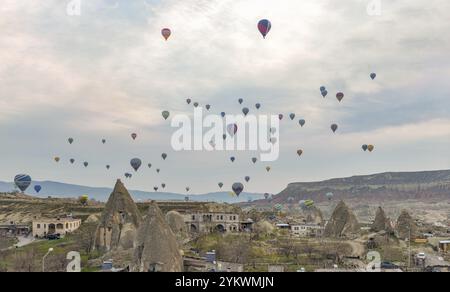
108 73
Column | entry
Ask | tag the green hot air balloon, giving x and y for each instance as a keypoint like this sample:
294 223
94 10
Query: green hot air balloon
165 114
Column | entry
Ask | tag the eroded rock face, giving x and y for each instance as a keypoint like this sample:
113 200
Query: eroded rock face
177 225
156 246
312 215
343 223
382 222
406 226
119 222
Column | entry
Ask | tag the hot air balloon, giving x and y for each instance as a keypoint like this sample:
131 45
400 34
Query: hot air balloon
237 188
254 159
232 158
57 159
324 93
373 76
268 168
149 165
273 130
258 106
299 152
302 122
196 104
128 175
84 200
188 189
224 136
136 163
309 203
164 156
165 114
330 196
22 181
292 116
134 136
240 100
264 27
163 186
334 128
365 147
70 140
232 129
222 114
280 116
322 88
247 178
85 164
340 96
37 188
188 101
370 148
72 161
103 141
108 166
158 170
266 196
220 185
156 189
208 107
166 33
245 111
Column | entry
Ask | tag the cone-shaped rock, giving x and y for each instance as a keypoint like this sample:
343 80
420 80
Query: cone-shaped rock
405 224
156 245
343 223
177 225
119 222
382 222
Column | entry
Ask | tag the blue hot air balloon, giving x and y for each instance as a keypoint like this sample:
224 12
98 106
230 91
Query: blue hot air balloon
37 188
22 181
136 163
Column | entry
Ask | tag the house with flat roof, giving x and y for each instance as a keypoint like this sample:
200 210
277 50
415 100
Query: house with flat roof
48 226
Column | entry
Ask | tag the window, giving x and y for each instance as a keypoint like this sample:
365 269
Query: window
193 217
38 226
218 217
221 217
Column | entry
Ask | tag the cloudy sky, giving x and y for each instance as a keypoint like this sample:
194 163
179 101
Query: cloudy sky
108 73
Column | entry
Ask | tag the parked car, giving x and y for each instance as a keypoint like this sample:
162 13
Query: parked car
389 266
53 236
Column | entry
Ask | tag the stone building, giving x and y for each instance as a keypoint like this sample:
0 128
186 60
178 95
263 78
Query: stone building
61 226
215 222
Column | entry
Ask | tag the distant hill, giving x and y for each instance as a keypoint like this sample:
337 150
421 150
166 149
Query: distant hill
63 190
378 187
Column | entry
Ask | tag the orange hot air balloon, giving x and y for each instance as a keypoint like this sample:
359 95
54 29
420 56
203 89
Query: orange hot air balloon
370 148
166 33
57 159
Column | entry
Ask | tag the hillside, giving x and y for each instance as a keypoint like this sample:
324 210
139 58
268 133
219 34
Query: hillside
64 190
377 187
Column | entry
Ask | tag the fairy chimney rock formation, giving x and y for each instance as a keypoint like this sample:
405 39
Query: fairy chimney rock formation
382 222
119 222
343 223
156 245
